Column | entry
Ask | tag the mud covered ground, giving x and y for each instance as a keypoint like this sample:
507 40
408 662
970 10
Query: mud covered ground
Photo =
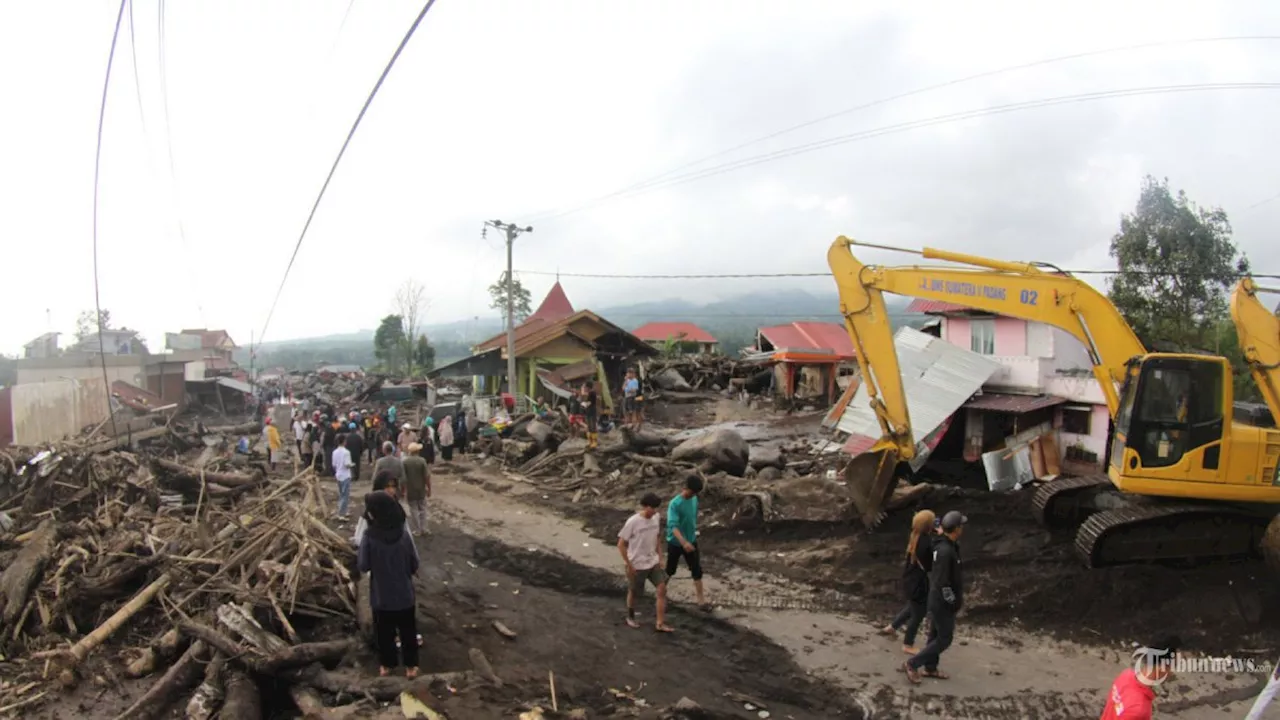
1018 574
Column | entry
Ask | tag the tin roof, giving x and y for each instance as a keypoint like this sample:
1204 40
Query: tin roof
680 331
809 336
938 378
921 305
1002 402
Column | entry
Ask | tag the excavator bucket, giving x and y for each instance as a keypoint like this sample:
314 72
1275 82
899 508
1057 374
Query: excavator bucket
870 480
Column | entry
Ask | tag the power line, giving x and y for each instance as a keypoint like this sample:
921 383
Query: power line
97 167
914 125
919 91
742 276
350 134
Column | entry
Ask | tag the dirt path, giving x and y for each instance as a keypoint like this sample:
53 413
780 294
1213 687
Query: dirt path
996 674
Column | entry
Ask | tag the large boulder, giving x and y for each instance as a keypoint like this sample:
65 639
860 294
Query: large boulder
764 456
720 449
669 379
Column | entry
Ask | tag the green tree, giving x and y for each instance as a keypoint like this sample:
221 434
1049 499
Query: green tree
87 323
1176 262
521 297
388 340
424 355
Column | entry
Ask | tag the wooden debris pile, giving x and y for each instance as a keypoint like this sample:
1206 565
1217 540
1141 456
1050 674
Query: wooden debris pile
116 564
700 372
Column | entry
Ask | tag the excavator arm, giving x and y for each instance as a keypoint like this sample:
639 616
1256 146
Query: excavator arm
1020 290
1258 330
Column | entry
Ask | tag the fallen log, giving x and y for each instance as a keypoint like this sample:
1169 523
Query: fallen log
249 428
206 700
242 700
126 439
86 645
24 574
307 653
309 702
186 472
248 657
177 680
383 688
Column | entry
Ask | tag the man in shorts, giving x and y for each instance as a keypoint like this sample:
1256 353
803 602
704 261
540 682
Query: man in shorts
682 536
640 543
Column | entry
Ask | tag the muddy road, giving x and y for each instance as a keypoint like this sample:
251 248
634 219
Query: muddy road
1045 645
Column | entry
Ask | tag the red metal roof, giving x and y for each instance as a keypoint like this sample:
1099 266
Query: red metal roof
1001 402
554 306
681 331
921 305
810 336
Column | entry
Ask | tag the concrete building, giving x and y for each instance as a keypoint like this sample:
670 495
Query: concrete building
45 346
1044 376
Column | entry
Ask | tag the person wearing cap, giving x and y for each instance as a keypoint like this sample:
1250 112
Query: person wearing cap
355 444
640 543
946 597
417 488
407 437
1133 694
273 443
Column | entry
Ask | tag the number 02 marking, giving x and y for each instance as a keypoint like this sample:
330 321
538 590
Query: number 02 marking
1029 297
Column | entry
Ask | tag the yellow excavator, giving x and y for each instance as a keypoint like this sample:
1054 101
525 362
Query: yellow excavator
1185 480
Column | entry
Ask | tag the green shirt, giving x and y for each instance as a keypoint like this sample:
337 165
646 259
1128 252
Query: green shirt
682 513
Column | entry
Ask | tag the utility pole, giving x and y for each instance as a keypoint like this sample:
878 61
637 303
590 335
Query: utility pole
511 231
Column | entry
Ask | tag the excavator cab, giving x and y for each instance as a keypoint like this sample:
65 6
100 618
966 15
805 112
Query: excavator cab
1172 420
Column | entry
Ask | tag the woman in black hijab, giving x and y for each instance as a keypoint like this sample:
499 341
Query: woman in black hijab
388 554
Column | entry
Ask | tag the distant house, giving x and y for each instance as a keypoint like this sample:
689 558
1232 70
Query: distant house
216 348
112 342
688 338
553 338
45 346
812 360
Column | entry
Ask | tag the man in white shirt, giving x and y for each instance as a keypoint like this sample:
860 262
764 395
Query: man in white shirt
299 433
342 465
640 543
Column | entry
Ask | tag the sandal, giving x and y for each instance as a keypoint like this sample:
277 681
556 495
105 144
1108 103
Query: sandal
411 673
663 628
888 630
912 674
936 674
631 623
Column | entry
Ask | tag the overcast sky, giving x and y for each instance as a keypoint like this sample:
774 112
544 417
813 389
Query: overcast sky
521 110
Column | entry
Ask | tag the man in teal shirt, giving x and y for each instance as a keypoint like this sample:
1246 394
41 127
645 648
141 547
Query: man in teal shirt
682 535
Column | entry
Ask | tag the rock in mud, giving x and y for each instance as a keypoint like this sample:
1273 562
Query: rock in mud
769 474
763 457
669 379
540 432
721 449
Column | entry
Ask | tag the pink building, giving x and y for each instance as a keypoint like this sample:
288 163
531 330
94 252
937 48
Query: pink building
1045 377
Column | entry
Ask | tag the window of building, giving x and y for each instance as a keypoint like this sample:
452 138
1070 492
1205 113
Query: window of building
982 336
1076 420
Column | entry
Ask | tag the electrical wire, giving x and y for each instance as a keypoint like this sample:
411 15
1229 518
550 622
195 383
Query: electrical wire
742 276
137 83
920 91
895 128
350 134
97 167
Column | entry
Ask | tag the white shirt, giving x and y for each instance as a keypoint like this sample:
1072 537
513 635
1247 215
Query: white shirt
641 534
299 432
342 463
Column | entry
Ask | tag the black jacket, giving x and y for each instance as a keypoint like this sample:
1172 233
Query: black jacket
915 570
946 582
355 444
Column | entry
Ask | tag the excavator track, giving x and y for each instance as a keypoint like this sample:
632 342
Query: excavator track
1056 502
1168 532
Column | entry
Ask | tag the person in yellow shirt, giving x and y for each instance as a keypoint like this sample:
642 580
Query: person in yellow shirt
273 444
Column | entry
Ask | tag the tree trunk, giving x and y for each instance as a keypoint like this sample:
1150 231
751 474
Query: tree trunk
181 676
24 574
242 699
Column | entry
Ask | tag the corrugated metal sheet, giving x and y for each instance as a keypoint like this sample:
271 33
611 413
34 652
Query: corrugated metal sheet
810 336
1001 402
679 331
921 305
234 384
938 378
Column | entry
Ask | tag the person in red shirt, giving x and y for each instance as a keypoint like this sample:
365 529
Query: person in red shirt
1133 695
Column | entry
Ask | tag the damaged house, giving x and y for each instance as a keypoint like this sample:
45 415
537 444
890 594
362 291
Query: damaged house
555 348
812 361
683 338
